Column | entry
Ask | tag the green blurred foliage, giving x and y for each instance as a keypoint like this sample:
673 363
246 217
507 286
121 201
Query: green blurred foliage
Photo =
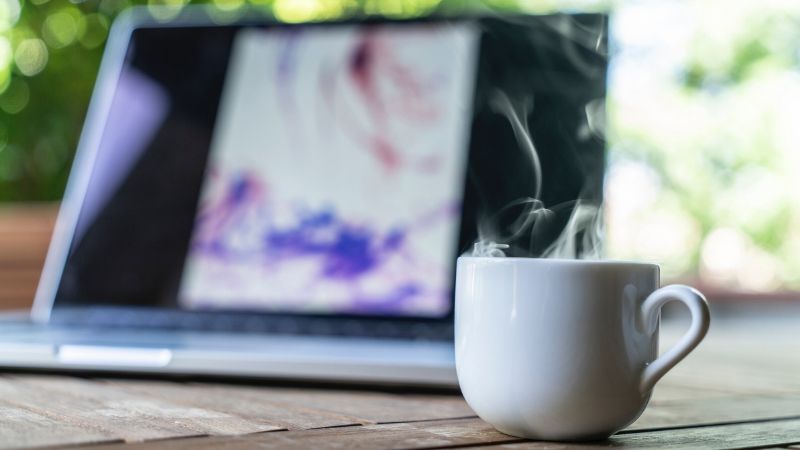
49 54
703 99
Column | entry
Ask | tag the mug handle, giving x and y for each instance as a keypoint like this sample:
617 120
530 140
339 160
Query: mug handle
698 306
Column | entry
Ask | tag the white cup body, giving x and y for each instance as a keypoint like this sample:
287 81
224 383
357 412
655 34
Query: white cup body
554 349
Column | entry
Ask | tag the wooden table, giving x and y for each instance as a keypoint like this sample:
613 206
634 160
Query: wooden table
25 231
740 389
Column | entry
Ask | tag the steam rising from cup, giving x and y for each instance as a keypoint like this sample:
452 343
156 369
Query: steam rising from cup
581 237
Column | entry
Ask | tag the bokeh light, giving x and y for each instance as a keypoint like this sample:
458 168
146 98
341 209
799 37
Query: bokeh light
307 10
6 58
166 9
9 13
63 27
31 56
229 5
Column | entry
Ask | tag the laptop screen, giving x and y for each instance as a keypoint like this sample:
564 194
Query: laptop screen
335 176
321 169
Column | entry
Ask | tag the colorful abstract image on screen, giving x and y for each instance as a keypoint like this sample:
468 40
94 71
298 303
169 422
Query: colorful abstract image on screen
336 172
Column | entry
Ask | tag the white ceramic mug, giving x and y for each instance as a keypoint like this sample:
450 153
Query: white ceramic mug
564 349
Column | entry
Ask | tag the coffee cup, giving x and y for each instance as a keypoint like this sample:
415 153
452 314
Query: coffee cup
555 349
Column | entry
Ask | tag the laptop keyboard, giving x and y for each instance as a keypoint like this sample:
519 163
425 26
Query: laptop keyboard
252 324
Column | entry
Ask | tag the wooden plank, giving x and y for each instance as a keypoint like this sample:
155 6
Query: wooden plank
735 436
717 410
737 379
113 412
434 434
764 360
477 434
363 407
253 406
273 408
667 391
294 408
21 428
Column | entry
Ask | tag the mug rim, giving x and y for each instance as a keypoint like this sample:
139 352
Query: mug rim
534 260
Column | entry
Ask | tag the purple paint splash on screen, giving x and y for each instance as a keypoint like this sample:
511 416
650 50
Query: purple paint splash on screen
342 251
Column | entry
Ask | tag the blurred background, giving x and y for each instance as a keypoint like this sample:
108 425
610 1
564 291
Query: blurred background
701 127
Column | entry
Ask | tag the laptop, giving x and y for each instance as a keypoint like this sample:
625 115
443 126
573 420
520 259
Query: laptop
287 201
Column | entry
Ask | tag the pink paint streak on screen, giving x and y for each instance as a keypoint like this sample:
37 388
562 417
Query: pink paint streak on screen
336 172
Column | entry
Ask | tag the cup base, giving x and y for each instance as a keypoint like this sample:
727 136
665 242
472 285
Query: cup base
540 435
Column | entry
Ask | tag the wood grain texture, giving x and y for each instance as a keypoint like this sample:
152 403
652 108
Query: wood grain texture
667 391
750 355
21 427
778 433
364 406
303 408
688 409
733 408
135 410
253 404
103 409
418 435
477 434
